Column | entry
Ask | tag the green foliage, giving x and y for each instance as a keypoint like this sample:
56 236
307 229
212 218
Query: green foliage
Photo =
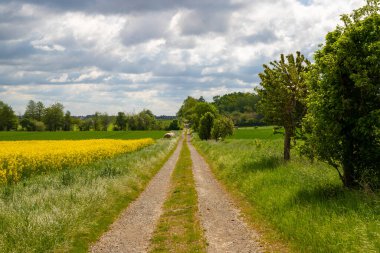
236 102
145 120
8 119
201 109
193 109
54 117
300 202
121 121
283 92
205 126
240 107
34 111
67 122
32 125
223 127
344 102
174 125
186 110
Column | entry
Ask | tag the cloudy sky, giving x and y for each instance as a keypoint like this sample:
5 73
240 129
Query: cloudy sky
126 55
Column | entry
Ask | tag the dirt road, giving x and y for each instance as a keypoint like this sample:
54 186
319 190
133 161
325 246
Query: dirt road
134 228
224 228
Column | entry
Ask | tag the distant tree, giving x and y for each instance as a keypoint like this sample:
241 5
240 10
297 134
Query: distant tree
240 107
283 92
146 120
174 125
201 109
201 99
27 124
54 117
67 122
344 104
205 126
105 121
97 124
39 126
86 124
30 111
236 102
223 127
186 112
34 111
8 119
39 111
132 122
121 121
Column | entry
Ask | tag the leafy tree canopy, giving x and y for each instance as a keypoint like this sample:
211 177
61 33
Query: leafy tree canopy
283 91
344 102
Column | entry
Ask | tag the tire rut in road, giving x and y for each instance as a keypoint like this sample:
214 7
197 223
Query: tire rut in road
225 230
132 231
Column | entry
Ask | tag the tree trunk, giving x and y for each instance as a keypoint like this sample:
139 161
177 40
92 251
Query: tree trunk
287 145
349 175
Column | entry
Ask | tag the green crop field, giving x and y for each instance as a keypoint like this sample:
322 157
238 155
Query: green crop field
73 135
255 133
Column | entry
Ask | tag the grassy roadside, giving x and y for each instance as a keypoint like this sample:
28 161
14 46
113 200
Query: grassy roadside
179 228
67 210
298 202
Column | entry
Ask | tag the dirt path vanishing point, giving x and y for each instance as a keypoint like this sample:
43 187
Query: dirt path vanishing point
225 231
133 229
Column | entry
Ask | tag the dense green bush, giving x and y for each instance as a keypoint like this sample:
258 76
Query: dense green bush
205 126
222 128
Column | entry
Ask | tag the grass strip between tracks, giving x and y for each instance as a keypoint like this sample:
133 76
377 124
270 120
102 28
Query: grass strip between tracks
179 228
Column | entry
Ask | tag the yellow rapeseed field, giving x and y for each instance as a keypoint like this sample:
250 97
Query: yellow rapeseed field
23 158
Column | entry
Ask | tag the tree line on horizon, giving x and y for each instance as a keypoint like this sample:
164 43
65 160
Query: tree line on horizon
239 106
38 117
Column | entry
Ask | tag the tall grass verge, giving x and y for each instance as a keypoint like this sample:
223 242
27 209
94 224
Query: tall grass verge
179 228
65 211
302 203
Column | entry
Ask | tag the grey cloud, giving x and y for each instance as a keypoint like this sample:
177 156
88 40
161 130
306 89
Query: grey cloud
129 6
201 22
139 29
16 49
262 36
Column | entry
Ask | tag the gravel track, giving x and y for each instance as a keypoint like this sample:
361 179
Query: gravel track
132 231
225 230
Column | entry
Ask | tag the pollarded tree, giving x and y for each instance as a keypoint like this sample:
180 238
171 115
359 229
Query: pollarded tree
283 91
344 103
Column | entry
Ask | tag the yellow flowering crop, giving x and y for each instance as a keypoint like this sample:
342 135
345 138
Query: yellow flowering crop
23 158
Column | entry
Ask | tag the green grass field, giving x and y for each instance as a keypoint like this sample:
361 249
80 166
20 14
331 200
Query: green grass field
301 203
73 135
264 133
64 211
